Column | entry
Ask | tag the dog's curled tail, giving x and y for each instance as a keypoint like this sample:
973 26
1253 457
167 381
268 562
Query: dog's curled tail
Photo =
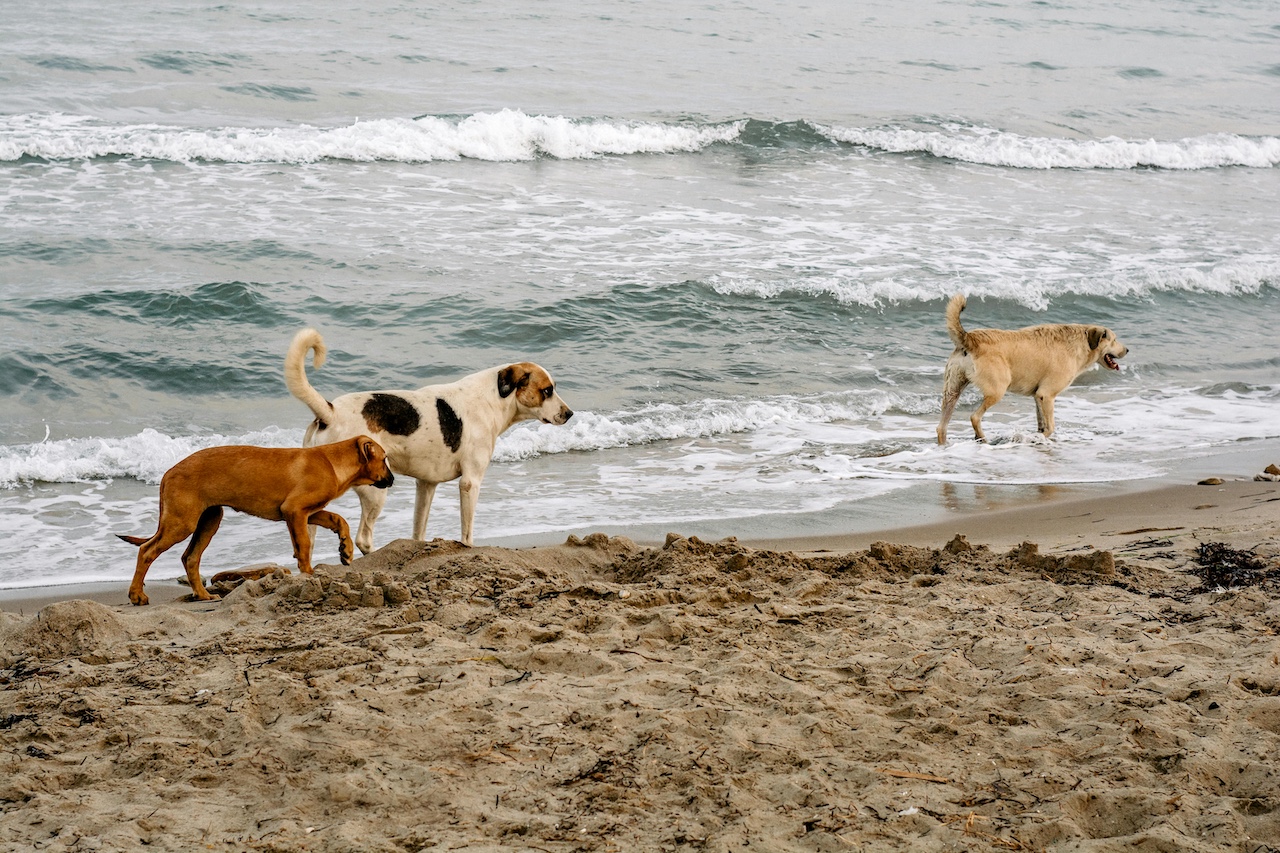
954 329
132 540
295 371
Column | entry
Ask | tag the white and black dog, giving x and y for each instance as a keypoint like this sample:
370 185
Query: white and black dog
434 434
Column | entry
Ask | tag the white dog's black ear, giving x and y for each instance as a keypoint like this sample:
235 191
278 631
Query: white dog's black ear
1096 334
511 379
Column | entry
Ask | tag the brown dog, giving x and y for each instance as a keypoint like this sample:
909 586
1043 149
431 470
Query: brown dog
1038 361
275 483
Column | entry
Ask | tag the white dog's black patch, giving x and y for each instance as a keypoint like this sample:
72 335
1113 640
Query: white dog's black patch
450 425
391 413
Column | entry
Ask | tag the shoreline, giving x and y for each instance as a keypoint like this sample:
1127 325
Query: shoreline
1234 508
1104 516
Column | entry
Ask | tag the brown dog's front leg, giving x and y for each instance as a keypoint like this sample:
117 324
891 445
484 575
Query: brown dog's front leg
338 524
301 536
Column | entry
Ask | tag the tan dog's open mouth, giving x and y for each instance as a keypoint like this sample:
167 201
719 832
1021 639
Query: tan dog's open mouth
1110 361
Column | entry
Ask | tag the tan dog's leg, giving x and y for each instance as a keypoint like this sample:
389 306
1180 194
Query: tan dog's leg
208 525
1044 413
422 509
988 400
953 383
993 378
332 521
372 500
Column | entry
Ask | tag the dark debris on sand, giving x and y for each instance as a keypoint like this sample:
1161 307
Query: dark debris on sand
1219 566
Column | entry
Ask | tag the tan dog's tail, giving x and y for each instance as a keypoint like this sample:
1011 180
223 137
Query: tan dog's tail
295 372
133 540
954 329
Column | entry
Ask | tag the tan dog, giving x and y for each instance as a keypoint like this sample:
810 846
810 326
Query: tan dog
275 483
1038 361
434 434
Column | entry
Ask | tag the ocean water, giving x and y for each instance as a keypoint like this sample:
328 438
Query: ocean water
729 230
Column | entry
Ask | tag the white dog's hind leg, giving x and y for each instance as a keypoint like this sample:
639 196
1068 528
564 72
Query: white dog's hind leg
422 509
372 500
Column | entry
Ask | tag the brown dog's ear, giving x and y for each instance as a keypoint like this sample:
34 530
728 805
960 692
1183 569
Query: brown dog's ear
511 379
1096 334
366 448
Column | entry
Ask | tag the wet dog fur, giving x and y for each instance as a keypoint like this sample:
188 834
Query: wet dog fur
1037 361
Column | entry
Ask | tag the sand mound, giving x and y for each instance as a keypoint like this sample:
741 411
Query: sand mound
599 696
83 629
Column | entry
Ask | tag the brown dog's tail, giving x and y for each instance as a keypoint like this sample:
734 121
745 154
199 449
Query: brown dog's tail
954 329
295 372
133 540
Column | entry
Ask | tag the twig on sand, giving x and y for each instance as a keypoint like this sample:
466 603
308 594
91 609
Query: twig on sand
911 774
969 829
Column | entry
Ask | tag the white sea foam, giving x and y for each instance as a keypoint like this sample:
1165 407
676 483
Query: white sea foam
145 456
1241 277
508 135
992 147
589 431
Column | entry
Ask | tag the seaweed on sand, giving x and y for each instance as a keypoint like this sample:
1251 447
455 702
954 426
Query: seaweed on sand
1220 566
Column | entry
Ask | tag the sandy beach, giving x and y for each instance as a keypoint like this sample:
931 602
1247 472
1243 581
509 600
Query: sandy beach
1056 675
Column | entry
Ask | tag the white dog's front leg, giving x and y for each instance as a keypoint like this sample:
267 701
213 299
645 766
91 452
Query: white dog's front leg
422 509
468 495
372 500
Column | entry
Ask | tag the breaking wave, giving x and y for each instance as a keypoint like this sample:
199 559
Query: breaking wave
512 136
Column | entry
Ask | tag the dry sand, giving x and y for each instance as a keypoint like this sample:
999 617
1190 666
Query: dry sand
938 694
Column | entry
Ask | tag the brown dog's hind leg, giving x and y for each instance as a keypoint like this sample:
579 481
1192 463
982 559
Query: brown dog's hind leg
332 521
164 539
208 525
136 596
